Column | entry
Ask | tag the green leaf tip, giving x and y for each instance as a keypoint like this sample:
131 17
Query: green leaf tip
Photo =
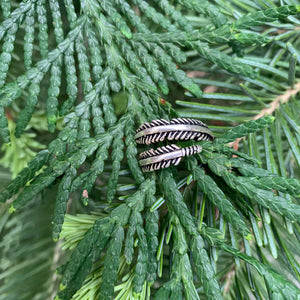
269 119
164 89
52 123
61 287
127 33
245 128
12 209
194 89
248 237
136 295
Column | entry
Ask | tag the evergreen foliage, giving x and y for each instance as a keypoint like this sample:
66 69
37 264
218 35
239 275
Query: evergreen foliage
224 224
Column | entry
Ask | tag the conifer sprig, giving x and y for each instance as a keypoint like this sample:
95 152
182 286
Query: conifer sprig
101 66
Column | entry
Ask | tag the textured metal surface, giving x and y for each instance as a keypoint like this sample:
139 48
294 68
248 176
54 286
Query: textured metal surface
163 157
176 129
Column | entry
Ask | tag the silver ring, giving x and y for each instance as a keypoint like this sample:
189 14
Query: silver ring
163 157
176 129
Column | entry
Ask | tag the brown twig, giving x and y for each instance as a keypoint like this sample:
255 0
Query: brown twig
271 109
278 100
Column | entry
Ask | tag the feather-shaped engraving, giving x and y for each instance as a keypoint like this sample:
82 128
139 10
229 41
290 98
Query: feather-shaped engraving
153 124
188 121
163 157
158 151
176 129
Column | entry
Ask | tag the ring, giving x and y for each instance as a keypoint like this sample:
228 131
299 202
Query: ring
163 157
176 129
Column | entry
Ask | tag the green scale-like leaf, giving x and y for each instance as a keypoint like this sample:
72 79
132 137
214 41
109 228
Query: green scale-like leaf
176 202
243 129
217 197
129 241
278 284
31 101
25 175
62 200
53 93
29 38
131 152
4 132
71 80
151 229
205 7
111 264
43 28
176 15
5 7
142 259
117 156
285 185
268 15
265 198
8 45
39 183
80 263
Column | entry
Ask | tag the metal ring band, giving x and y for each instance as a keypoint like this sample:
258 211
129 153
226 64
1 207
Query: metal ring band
176 129
163 157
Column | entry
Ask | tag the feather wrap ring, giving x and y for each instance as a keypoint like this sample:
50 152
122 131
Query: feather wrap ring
176 129
179 129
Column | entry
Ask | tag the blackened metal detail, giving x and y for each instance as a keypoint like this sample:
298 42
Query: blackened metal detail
163 157
176 129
